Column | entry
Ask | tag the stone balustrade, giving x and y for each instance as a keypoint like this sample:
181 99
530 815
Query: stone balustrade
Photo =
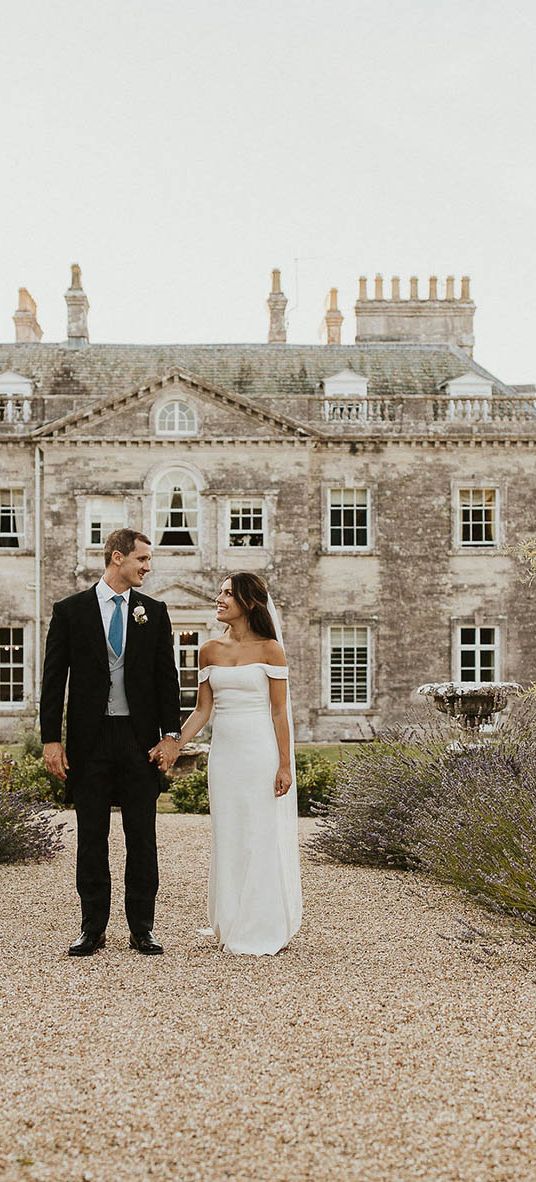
430 411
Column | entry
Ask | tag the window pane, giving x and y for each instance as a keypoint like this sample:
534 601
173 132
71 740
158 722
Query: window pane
11 517
348 666
348 518
176 511
11 664
176 418
476 507
187 657
246 522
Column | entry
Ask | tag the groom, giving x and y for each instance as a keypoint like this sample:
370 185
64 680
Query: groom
116 646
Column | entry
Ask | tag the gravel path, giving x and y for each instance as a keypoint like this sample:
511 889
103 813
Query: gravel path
393 1041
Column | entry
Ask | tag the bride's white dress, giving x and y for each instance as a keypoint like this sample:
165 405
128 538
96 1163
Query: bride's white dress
254 898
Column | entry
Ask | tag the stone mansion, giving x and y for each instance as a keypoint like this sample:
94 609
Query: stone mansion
375 486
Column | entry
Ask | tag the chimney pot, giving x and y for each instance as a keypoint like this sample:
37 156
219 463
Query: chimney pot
414 288
466 285
363 287
432 295
395 288
276 281
450 288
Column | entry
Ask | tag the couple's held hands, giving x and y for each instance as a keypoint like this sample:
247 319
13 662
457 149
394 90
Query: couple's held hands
165 753
283 781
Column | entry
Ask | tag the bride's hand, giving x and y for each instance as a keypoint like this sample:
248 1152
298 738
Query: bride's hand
283 781
165 753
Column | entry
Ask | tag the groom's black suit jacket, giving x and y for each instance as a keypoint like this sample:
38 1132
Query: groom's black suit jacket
76 648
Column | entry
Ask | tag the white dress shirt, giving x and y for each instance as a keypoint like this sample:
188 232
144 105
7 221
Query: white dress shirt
105 595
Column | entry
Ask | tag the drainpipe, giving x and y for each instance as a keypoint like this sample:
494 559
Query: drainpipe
38 472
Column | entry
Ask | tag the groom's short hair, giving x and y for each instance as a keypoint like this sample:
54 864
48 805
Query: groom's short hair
123 540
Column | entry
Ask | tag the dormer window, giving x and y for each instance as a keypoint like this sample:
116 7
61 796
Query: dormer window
176 418
16 394
345 397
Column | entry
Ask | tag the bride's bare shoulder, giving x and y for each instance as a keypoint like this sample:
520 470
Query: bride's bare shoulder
274 653
207 653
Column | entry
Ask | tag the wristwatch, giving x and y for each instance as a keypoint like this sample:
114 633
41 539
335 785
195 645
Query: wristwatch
172 735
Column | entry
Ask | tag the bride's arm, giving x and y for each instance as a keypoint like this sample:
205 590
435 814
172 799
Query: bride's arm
199 717
278 702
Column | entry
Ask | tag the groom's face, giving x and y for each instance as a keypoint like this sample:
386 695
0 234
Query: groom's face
136 565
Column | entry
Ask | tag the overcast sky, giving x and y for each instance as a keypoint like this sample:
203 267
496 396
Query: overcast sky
179 151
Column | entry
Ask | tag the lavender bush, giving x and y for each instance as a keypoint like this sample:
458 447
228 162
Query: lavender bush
28 831
426 797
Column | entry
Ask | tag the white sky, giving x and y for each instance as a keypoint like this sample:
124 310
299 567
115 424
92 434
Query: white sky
180 150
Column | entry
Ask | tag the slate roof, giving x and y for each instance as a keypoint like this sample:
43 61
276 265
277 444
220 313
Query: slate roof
257 372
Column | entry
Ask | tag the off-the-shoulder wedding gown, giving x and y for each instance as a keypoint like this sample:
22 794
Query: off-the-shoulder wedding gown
254 898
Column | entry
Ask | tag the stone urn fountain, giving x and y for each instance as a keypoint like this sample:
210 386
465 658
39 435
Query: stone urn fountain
470 703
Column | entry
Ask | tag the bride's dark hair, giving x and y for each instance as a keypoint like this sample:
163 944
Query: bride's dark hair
251 593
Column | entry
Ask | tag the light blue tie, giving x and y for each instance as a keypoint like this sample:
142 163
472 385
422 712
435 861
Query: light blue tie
115 634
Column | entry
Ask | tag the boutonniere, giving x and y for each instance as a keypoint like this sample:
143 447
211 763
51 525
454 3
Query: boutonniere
139 614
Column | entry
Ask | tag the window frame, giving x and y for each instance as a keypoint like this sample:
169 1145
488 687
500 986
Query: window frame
13 705
184 547
93 546
472 487
178 630
246 499
175 434
22 537
342 488
496 648
349 707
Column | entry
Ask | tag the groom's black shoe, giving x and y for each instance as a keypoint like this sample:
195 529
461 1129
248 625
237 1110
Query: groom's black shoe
145 942
87 943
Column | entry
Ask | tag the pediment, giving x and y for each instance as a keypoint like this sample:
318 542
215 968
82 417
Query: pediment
262 420
346 384
15 383
468 385
187 595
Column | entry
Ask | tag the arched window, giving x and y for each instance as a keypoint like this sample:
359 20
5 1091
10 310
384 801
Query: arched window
176 510
176 418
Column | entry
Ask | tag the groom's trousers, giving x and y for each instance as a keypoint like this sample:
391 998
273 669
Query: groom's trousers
117 772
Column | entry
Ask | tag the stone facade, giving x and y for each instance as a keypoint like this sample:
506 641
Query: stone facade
374 485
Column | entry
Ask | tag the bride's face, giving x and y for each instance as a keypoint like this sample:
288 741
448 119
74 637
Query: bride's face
227 609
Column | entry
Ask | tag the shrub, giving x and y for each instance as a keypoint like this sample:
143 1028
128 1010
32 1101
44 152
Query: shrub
315 777
462 811
29 776
190 793
28 832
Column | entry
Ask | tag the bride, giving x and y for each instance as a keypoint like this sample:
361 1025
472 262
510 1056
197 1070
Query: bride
254 897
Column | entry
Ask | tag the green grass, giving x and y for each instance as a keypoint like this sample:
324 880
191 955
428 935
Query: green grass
331 751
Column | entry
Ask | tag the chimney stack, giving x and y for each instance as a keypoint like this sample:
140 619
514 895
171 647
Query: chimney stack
430 320
277 302
27 329
77 310
333 319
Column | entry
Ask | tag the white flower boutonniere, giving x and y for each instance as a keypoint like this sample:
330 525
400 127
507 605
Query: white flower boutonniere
139 614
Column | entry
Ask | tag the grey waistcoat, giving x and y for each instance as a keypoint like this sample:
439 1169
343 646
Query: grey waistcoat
117 699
